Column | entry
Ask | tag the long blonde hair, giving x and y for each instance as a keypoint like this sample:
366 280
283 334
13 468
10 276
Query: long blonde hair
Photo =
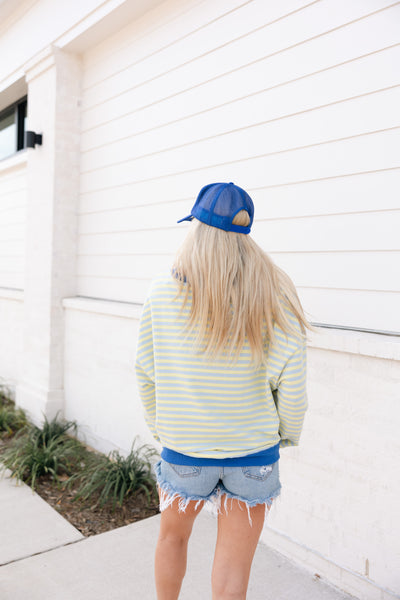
238 292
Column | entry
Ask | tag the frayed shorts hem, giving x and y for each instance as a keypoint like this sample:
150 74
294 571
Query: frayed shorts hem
216 502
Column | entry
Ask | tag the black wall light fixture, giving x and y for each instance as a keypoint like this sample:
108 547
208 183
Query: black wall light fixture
33 138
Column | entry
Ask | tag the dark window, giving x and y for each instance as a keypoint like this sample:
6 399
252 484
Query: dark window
12 128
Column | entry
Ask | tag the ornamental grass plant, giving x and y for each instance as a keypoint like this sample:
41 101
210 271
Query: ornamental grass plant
114 477
11 419
51 456
47 450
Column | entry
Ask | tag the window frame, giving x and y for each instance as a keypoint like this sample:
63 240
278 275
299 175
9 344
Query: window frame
19 120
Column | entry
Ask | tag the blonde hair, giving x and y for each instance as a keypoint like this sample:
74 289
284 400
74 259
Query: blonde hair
237 291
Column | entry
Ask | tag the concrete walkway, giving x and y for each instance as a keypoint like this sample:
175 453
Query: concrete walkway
43 557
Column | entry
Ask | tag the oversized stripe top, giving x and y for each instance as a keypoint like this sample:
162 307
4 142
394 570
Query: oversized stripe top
213 408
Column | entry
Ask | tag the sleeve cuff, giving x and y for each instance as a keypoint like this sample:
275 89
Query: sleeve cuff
286 443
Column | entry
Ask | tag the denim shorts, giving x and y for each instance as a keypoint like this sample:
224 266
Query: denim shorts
250 485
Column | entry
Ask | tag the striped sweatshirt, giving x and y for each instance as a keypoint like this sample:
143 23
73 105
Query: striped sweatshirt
211 408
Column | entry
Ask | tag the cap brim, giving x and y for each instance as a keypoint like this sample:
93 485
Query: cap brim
188 218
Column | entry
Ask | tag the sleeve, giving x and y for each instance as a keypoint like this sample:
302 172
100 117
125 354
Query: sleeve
291 397
144 368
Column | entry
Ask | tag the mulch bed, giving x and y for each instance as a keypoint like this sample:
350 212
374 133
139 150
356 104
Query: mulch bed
84 515
90 519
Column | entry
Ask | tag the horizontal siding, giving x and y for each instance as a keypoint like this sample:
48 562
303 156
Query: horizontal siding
303 133
297 102
372 271
324 232
154 32
12 227
319 196
352 308
177 30
375 231
320 35
372 112
332 158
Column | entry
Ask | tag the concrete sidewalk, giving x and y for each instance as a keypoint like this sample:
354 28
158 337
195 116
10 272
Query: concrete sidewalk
43 557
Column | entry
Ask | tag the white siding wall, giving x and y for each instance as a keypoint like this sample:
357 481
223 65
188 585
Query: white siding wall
297 102
11 338
32 25
12 226
13 195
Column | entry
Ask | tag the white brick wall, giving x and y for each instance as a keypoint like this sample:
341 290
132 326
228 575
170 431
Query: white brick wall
100 385
340 488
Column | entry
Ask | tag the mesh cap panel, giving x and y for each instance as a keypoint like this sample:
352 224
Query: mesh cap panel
217 205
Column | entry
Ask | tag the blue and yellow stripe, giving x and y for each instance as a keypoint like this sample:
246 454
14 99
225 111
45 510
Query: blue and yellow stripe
213 408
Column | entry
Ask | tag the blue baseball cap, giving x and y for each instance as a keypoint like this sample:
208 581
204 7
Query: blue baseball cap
217 205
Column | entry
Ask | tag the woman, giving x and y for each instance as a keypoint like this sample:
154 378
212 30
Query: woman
221 369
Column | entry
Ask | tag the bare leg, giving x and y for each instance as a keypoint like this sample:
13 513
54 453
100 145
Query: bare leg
171 550
236 544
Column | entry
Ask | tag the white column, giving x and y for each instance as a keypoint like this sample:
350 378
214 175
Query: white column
54 92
